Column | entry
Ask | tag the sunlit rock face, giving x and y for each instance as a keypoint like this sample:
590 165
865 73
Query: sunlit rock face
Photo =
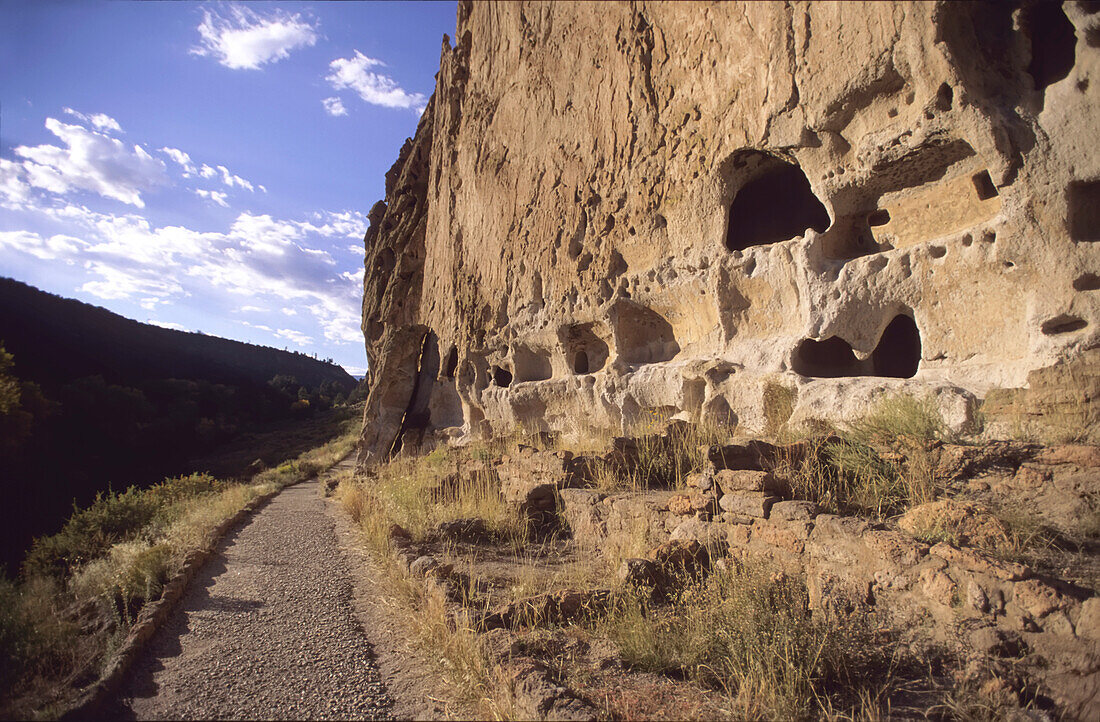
612 212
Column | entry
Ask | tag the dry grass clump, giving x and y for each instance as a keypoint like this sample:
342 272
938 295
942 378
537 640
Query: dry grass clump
419 494
879 467
375 505
659 455
748 631
114 556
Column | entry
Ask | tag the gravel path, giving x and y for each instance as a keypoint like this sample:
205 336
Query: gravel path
266 630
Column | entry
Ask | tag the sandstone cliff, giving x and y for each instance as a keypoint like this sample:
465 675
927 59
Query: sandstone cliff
614 211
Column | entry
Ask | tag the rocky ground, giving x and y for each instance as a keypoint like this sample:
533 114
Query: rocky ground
267 630
983 584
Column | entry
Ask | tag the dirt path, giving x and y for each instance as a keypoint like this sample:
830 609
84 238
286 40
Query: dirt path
267 629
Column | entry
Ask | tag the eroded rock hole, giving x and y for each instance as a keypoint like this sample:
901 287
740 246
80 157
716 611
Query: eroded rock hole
1063 323
502 377
1053 43
1084 210
642 336
584 350
451 365
878 218
1087 282
897 354
983 185
532 364
898 351
831 358
775 203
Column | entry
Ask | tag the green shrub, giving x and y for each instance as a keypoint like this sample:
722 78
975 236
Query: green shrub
90 533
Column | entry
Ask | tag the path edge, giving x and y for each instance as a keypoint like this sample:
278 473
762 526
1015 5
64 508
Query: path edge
153 616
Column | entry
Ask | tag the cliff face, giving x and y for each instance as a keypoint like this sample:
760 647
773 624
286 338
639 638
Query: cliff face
611 211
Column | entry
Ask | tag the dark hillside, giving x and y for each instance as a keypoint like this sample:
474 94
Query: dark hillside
105 401
56 340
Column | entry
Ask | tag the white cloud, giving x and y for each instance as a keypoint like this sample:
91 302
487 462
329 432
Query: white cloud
272 264
99 120
91 161
167 324
14 188
355 73
208 172
183 159
215 196
294 336
52 248
246 40
233 180
334 106
347 224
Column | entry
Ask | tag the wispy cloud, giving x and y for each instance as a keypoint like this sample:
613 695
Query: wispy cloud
214 196
100 120
268 261
243 39
355 74
334 106
167 324
90 161
294 336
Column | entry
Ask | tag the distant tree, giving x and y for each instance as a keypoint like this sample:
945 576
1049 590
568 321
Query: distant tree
9 385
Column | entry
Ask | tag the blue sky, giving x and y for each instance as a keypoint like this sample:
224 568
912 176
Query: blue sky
208 166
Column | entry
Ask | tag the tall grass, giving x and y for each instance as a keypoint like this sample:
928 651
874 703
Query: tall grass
419 494
748 631
849 474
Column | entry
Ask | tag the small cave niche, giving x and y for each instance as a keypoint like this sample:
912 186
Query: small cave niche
1087 282
451 364
1083 198
983 186
772 202
1053 42
1062 323
897 354
531 364
584 349
642 336
502 377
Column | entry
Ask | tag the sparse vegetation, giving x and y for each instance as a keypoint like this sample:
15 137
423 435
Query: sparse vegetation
747 630
848 474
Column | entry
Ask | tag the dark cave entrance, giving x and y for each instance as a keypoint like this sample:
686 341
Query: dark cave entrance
897 354
1053 43
502 377
580 363
775 204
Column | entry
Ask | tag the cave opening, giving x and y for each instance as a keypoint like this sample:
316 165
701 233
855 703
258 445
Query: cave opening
1083 198
983 186
897 354
775 204
502 377
828 359
451 365
580 363
1053 43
